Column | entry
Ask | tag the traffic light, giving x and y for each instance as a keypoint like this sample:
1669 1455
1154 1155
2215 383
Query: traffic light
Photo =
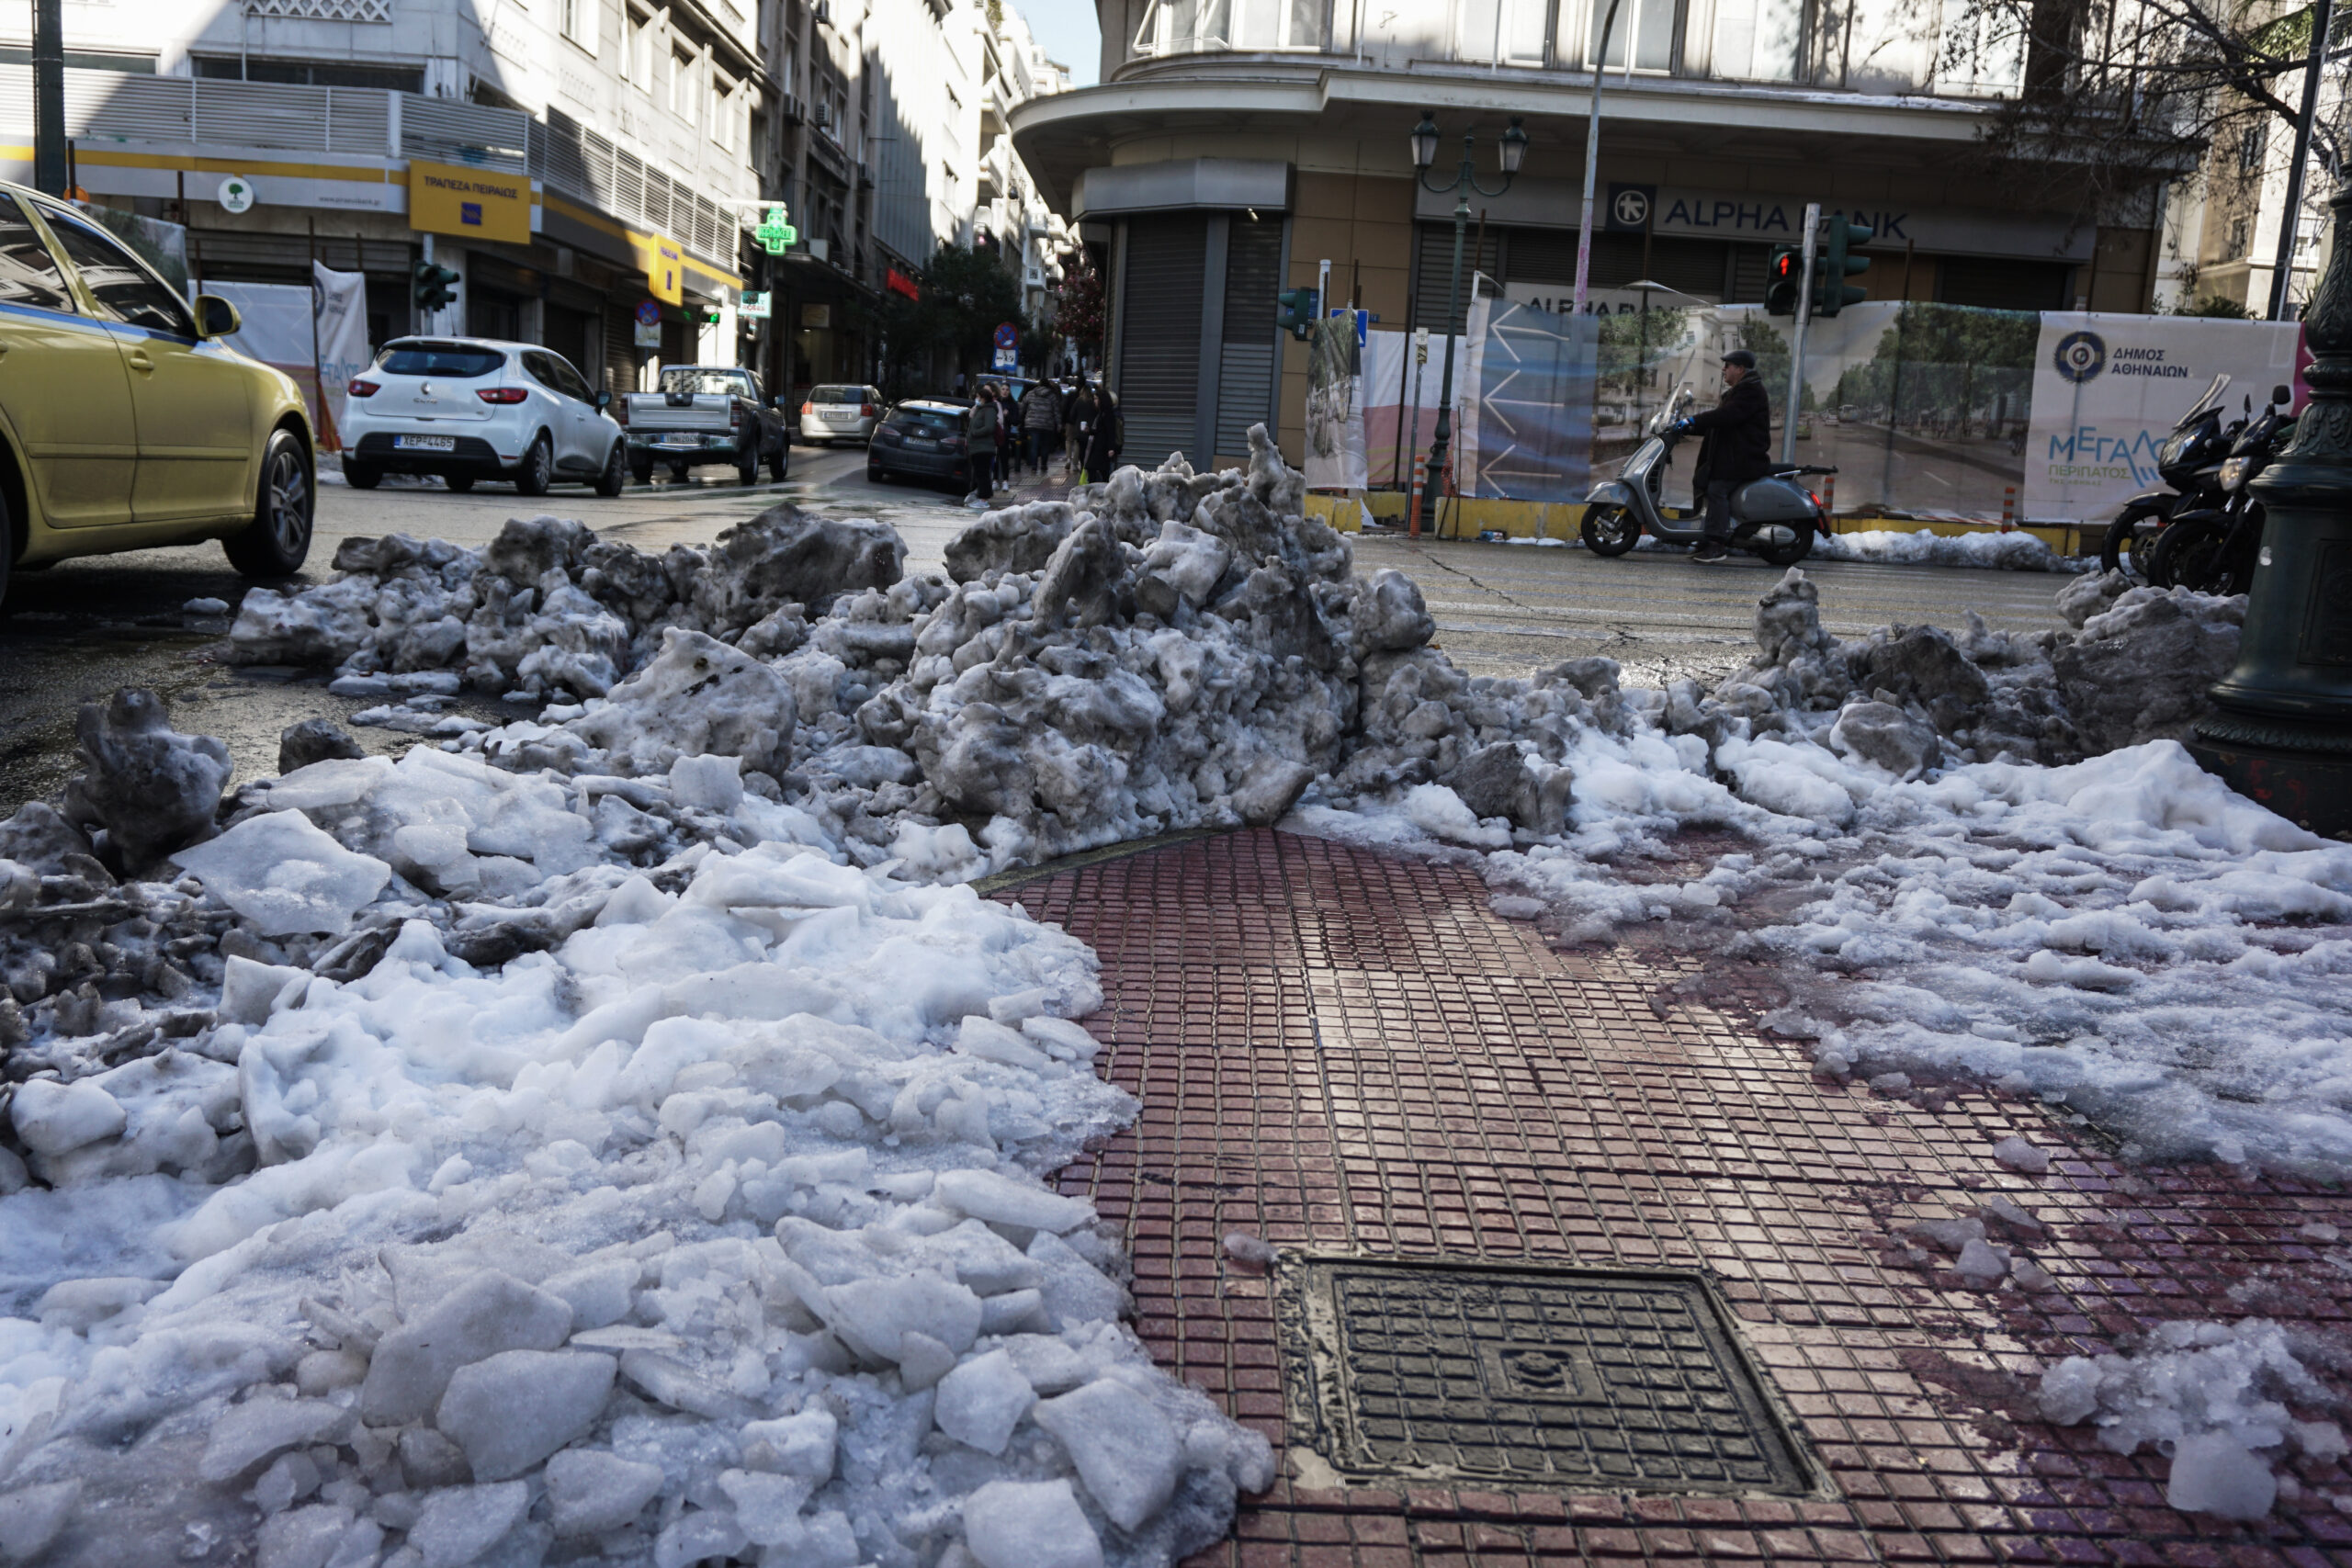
1831 292
1784 278
1295 313
436 285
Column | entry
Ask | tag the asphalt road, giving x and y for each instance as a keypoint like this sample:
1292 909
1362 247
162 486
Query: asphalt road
84 627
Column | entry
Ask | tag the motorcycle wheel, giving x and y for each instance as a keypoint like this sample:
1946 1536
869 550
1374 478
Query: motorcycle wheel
1791 553
1609 531
2129 542
2191 553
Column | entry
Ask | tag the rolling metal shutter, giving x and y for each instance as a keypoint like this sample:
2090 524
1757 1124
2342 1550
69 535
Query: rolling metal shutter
1160 335
1253 260
1434 271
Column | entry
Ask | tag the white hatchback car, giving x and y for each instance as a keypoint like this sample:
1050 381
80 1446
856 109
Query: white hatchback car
469 407
840 412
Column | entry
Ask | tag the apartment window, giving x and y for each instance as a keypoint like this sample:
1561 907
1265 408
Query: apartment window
308 73
636 51
2237 236
723 108
578 19
683 97
2250 142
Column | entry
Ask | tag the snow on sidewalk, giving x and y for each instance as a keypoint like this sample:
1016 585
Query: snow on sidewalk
651 1040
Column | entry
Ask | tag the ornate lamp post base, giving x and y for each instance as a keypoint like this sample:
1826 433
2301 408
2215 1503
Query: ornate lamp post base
2282 734
2309 783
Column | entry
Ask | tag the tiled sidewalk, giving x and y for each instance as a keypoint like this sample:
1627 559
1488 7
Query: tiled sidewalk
1342 1051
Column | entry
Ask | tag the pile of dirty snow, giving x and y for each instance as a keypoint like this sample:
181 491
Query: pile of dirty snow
2007 551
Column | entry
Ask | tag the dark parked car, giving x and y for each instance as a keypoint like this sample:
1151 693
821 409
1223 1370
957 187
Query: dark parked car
922 438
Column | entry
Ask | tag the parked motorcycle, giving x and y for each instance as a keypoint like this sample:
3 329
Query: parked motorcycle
1775 518
2189 460
2213 550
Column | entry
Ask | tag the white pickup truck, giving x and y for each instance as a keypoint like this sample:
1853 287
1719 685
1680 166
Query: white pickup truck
702 414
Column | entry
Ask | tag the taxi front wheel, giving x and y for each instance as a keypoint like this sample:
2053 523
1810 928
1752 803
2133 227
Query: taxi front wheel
275 542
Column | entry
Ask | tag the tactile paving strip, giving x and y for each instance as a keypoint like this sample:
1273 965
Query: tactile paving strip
1570 1379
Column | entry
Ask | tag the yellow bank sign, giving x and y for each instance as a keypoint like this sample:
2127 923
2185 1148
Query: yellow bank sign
448 198
665 266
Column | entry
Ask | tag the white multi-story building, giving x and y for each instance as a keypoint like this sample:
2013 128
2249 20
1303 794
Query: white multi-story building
581 165
2220 240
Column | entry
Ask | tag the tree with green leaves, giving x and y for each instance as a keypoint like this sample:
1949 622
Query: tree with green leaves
964 293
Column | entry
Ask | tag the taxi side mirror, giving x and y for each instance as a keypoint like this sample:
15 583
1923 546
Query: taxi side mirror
215 317
604 401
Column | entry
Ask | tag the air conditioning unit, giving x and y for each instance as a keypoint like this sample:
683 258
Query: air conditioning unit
794 111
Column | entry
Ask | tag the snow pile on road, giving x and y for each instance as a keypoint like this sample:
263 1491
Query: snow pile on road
548 608
698 1216
2214 1397
2007 552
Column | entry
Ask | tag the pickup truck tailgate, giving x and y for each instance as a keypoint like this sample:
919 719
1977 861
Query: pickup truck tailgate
655 411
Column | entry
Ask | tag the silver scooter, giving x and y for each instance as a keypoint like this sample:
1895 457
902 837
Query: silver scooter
1774 516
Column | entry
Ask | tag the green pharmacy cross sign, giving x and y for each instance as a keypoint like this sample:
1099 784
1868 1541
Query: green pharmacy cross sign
775 235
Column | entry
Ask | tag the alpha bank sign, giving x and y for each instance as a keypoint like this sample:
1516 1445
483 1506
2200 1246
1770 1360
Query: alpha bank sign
1759 217
1722 215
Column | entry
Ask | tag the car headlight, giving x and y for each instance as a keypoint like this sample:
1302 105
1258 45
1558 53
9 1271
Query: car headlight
2234 472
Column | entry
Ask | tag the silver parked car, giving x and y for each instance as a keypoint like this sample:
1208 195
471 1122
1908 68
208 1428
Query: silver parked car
841 413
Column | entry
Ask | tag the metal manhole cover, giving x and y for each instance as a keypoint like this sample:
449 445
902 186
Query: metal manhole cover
1561 1379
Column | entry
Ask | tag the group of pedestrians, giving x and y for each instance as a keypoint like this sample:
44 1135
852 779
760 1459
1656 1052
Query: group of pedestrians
1079 418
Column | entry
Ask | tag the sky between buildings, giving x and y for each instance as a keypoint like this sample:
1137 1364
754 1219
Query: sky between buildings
1068 31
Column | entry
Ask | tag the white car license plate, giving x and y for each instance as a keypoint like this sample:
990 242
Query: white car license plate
679 441
424 443
836 413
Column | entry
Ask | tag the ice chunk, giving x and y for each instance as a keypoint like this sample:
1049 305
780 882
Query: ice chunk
874 1316
151 789
767 1507
260 1429
78 1304
1951 1235
1127 1453
1244 1248
2214 1474
793 1445
205 606
1075 1291
52 1118
671 1381
458 1524
1983 1265
285 875
2030 1276
1003 1200
1029 1524
712 783
303 1538
699 1537
2022 1157
599 1292
32 1516
487 1313
981 1401
591 1491
514 1409
250 992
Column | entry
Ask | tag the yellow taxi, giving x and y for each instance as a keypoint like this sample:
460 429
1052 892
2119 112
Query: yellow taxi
123 424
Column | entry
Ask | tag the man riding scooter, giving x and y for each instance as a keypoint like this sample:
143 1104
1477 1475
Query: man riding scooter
1737 448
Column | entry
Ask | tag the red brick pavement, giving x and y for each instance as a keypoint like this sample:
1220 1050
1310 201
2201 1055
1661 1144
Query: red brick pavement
1345 1051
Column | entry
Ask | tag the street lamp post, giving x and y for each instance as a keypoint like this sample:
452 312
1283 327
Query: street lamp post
1512 149
2282 729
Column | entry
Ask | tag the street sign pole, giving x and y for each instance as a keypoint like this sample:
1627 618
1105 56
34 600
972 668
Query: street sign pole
1805 314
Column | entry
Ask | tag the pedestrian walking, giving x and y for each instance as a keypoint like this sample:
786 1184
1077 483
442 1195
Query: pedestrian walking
1041 416
1737 448
983 431
1078 420
1105 439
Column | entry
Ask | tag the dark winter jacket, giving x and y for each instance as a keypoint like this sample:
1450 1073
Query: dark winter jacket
1105 438
1738 445
983 426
